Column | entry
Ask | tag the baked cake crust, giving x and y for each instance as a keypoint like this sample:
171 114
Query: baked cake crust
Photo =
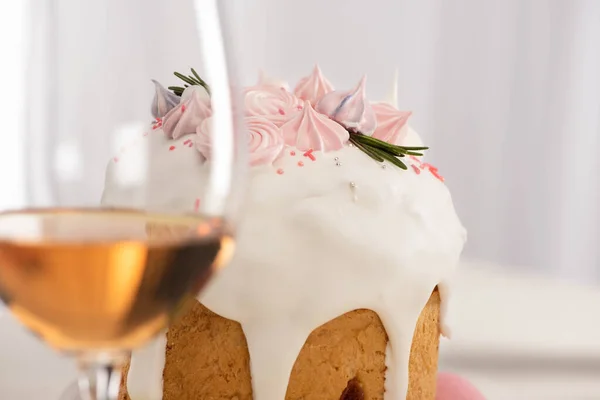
207 358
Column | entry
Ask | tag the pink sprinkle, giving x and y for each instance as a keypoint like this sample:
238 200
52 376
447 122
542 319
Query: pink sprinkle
183 108
416 169
171 148
190 144
187 141
116 159
299 108
415 159
309 154
196 205
281 111
292 153
280 171
437 175
300 164
145 134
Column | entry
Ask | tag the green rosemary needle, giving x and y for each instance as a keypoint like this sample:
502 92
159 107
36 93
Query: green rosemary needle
383 151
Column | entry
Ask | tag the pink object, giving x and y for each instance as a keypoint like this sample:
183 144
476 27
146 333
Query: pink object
171 148
311 130
280 171
310 154
434 171
313 87
157 124
351 109
416 169
292 153
196 205
300 164
429 167
265 142
274 103
185 119
264 80
453 387
390 122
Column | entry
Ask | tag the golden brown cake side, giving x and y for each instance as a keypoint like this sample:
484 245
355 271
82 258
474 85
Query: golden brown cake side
207 358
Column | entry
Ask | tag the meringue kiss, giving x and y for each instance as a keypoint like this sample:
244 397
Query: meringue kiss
265 80
313 87
391 123
351 109
189 114
311 130
164 100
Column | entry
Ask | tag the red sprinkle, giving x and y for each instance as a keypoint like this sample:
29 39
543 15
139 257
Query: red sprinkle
171 148
187 141
416 169
196 205
183 108
435 173
415 159
190 144
280 171
431 168
300 164
292 153
310 155
281 111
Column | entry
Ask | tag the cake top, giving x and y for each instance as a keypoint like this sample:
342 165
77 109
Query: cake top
342 213
314 118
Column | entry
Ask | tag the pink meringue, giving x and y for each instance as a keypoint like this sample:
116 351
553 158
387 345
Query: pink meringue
265 142
264 80
313 87
164 100
390 123
351 109
276 104
311 130
189 114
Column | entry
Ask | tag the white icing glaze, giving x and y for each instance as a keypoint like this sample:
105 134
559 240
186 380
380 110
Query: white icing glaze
312 247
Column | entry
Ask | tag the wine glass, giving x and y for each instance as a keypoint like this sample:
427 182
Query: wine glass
98 258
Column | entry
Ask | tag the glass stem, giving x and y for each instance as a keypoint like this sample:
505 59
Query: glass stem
100 375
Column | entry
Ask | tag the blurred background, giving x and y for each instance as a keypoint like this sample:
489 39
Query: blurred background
506 93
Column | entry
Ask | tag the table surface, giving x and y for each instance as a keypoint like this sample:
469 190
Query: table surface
515 337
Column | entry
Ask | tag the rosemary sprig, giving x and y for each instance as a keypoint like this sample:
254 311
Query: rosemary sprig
190 80
382 151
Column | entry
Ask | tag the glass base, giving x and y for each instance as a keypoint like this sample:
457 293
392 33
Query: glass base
100 375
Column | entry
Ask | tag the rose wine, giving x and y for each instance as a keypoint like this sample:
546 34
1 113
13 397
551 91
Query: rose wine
104 279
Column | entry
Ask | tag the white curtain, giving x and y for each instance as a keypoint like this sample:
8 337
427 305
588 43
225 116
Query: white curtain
506 93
